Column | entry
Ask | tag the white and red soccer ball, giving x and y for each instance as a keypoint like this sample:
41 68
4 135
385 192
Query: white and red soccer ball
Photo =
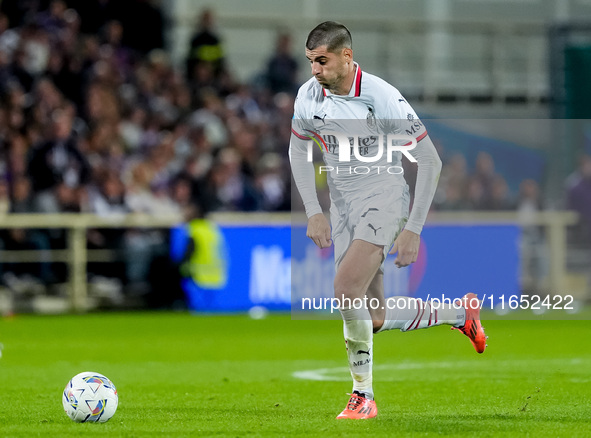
90 397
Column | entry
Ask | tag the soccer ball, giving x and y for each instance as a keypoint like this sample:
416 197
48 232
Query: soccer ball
90 397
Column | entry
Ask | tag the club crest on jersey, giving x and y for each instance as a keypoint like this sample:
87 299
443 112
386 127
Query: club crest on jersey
371 118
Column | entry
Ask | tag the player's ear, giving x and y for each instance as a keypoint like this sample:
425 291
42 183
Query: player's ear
348 54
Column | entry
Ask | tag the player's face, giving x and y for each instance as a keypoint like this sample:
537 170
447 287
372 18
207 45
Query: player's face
329 69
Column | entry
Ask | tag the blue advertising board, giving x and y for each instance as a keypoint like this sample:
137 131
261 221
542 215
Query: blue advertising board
276 266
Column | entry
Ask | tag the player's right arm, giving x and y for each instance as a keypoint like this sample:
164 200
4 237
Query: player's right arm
302 169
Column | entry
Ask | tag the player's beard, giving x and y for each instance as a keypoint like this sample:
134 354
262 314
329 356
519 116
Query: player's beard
334 84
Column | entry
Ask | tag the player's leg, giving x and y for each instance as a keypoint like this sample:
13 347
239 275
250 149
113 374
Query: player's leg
371 227
375 297
406 313
355 272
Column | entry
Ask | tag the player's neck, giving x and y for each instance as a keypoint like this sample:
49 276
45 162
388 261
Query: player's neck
345 86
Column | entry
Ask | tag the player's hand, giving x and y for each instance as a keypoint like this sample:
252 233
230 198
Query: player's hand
407 246
319 230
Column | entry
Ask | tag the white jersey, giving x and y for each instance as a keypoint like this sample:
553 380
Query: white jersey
372 108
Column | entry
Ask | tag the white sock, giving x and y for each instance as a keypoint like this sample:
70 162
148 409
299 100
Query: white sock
412 314
358 331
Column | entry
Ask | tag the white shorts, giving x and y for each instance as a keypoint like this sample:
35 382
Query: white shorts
376 219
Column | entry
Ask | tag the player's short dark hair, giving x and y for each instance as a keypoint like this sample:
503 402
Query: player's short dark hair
335 36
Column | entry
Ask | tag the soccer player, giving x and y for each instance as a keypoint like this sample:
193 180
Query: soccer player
369 210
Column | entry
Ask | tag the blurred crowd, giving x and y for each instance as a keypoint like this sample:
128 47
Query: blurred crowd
94 117
93 120
481 188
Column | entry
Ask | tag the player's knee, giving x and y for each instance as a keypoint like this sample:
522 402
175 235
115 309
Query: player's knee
343 290
377 325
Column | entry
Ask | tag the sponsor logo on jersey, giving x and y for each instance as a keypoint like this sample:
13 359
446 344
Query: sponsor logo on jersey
320 118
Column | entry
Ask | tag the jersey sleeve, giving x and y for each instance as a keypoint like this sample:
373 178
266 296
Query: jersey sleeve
302 166
404 119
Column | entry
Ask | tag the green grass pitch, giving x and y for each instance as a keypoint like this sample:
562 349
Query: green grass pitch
196 375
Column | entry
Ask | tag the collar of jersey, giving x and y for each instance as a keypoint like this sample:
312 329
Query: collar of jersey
355 90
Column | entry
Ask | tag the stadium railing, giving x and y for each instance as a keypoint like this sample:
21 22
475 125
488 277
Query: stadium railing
76 255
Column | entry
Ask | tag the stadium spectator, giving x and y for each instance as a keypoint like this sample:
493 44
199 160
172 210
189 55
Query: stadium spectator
198 251
35 45
205 60
451 197
95 13
58 159
4 209
131 127
282 67
226 187
61 198
53 19
270 183
193 152
65 73
214 118
144 246
534 251
499 197
18 69
484 173
452 188
475 195
182 196
5 204
112 38
18 11
16 160
21 201
145 34
9 37
107 198
579 198
243 104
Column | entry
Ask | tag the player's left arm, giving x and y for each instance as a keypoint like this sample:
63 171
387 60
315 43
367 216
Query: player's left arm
429 168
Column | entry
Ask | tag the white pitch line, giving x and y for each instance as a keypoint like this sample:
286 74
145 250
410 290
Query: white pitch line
319 374
324 374
341 374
